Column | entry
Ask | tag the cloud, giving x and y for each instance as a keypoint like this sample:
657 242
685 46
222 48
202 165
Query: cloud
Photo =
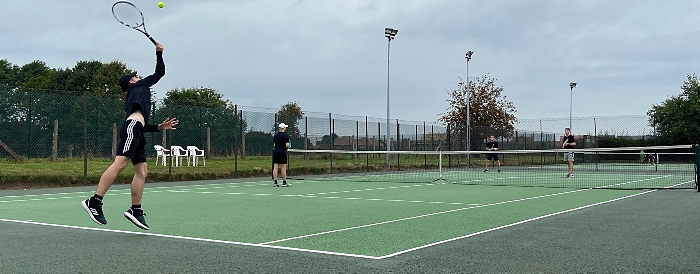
331 56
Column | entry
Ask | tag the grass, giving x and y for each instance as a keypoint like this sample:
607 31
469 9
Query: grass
42 172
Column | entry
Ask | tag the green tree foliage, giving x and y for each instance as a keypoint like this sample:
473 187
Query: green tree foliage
608 141
490 112
291 114
8 75
35 75
97 77
105 79
676 120
199 108
258 143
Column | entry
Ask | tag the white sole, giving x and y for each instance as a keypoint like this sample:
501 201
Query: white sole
134 221
87 209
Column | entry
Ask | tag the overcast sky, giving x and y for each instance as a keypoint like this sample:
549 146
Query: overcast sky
331 55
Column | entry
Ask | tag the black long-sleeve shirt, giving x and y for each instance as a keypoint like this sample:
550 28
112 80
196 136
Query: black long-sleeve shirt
139 95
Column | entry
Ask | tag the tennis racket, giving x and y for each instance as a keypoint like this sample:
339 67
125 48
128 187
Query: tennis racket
129 15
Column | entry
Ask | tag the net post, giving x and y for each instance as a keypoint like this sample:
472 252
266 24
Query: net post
440 164
440 175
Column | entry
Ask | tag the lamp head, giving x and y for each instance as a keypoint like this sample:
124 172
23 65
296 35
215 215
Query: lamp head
469 55
390 33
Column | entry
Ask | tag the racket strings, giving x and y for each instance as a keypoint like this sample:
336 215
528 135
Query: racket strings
128 15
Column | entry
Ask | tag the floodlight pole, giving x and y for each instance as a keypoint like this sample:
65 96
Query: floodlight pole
389 33
468 56
572 85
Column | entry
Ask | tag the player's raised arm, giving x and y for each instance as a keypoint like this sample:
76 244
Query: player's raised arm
160 67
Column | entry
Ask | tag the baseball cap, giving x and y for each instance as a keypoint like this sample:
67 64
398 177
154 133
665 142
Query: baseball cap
283 125
124 81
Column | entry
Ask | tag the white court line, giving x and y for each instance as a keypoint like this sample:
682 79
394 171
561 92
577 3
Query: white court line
328 252
151 189
521 222
192 239
429 214
419 216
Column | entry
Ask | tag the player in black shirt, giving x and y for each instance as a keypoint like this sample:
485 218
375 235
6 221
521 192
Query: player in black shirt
132 145
569 143
279 154
492 145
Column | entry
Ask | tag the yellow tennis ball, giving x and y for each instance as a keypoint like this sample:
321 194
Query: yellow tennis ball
161 5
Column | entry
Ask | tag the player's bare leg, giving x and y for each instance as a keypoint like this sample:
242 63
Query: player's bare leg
275 168
571 167
138 183
110 175
93 205
283 169
135 212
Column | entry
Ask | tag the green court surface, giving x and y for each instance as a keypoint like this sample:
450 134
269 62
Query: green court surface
360 220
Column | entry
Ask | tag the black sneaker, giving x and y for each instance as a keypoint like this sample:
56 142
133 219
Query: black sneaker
286 185
94 211
276 185
486 170
499 171
136 217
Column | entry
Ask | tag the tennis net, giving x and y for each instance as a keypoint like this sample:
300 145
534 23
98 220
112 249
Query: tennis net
653 167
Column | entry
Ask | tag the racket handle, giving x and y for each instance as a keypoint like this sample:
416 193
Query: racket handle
151 38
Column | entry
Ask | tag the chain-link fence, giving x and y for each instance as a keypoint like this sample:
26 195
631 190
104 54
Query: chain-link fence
64 125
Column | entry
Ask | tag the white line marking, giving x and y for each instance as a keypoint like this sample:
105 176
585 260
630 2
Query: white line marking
148 189
429 214
192 239
521 222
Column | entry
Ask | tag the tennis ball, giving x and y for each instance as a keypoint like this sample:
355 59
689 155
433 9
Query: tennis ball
161 5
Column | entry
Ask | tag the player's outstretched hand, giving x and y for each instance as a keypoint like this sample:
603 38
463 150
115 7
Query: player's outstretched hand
159 47
169 123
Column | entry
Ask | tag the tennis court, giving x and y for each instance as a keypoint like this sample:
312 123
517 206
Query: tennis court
335 224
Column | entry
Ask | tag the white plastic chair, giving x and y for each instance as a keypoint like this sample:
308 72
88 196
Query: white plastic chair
178 153
194 152
161 153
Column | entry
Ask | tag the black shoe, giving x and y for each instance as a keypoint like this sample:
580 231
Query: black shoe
276 185
136 217
286 185
486 170
95 211
499 171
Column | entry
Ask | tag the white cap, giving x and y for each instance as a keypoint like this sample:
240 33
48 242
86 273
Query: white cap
283 125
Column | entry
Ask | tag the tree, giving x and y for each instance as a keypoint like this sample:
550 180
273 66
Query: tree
33 76
105 80
8 75
199 108
290 114
490 113
258 143
676 119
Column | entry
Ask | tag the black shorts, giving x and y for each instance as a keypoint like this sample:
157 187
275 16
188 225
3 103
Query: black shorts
279 157
132 142
491 156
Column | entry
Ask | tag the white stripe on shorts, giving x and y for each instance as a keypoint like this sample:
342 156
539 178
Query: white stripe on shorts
129 135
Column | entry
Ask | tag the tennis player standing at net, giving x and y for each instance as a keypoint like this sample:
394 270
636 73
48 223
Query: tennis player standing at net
492 145
569 143
279 154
